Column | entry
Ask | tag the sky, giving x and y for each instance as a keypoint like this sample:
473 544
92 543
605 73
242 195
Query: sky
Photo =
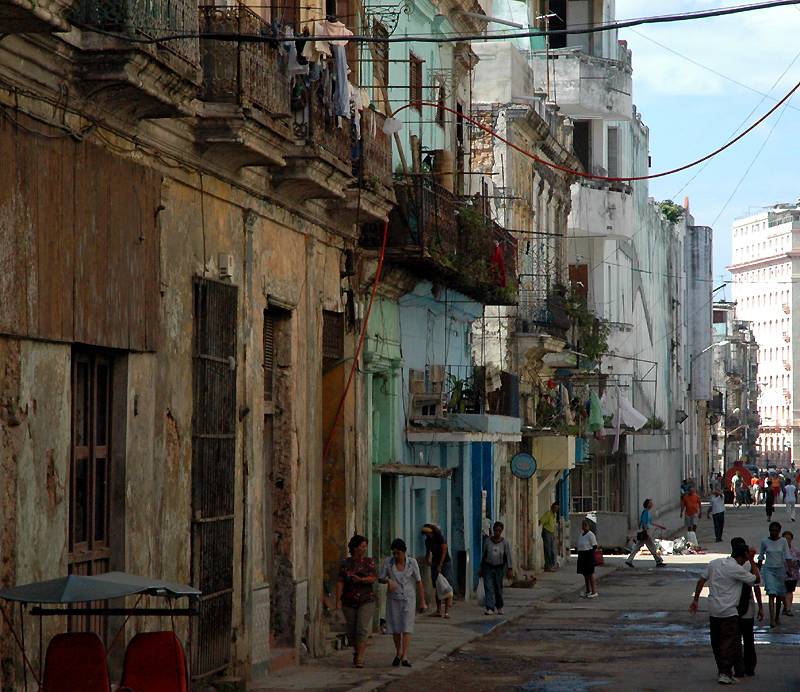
692 108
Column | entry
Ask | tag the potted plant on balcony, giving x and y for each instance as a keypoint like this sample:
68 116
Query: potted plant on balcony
591 332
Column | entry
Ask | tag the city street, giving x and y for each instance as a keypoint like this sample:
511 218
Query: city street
637 636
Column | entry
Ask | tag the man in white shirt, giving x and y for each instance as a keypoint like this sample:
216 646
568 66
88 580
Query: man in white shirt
725 577
717 512
790 497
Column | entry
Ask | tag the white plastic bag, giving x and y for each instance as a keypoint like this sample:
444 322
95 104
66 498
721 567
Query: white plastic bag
443 588
480 592
691 538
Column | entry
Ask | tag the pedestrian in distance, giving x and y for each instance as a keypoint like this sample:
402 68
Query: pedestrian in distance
774 557
716 511
769 502
355 595
792 574
724 578
437 556
587 544
690 509
746 666
790 497
738 483
401 575
495 565
549 523
644 537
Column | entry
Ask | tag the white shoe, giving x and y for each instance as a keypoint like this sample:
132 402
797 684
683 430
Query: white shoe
726 680
592 595
488 611
499 611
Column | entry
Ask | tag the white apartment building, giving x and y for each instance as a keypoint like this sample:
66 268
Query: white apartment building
765 260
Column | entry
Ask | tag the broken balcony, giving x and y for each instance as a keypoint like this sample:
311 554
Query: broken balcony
246 116
543 324
435 232
602 209
34 16
139 79
586 86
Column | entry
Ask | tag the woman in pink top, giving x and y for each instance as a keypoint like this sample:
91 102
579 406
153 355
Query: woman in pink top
792 574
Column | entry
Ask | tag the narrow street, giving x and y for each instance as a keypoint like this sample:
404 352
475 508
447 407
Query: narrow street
637 636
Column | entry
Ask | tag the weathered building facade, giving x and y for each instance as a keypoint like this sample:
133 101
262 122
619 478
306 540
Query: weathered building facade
178 228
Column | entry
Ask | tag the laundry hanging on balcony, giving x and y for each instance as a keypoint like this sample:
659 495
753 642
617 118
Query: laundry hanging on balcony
326 34
617 405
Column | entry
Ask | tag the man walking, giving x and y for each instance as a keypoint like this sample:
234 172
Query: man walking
747 614
549 522
495 564
790 497
717 513
725 577
643 537
690 508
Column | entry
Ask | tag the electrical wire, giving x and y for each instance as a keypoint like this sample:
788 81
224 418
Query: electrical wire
440 38
591 176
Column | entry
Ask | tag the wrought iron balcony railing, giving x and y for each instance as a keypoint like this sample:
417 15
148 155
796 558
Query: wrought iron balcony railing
376 150
248 74
148 19
433 229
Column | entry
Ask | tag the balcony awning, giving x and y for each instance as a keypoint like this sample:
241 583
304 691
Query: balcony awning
412 470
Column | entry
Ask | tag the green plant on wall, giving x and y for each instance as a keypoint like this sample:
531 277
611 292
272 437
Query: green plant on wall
672 212
592 332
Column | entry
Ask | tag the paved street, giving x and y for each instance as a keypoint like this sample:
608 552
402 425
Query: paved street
637 636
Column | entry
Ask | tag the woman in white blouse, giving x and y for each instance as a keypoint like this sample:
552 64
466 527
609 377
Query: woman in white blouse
587 543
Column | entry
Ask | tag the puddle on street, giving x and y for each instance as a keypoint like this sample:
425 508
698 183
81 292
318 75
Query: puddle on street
561 682
655 615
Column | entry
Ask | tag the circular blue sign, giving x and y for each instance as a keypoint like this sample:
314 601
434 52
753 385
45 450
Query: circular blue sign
523 465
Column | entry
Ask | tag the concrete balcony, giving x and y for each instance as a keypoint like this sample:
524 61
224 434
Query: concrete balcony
585 86
245 116
604 210
139 80
34 16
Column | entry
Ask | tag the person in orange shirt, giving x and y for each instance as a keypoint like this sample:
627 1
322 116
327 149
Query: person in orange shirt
690 508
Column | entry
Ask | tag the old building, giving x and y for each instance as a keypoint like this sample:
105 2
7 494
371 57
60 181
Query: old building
734 407
179 305
763 264
532 198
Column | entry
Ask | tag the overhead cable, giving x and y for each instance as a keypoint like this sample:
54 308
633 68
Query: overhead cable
459 38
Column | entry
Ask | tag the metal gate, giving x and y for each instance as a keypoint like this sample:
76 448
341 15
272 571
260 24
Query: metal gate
213 452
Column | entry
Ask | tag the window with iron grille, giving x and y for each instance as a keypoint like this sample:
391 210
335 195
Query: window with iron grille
332 338
89 476
269 355
415 81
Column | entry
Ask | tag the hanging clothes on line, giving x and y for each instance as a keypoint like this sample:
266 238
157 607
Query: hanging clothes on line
326 34
341 95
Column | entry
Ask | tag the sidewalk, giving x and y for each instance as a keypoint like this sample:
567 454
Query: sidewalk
433 640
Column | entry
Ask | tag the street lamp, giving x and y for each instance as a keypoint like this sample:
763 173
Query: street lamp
695 356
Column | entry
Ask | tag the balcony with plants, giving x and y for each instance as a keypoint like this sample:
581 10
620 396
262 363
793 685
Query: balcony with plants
463 400
131 77
435 232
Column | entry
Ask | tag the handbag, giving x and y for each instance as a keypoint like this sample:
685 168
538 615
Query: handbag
598 557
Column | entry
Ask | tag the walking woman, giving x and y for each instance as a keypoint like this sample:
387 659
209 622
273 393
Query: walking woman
402 575
438 557
355 595
495 564
774 558
769 503
587 544
792 574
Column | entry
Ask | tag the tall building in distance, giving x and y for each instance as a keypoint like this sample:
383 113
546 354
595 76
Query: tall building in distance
765 258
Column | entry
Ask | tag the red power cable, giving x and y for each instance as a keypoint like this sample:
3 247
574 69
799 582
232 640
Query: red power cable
332 436
590 176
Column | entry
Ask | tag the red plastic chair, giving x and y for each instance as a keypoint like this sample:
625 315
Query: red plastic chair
76 662
154 662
